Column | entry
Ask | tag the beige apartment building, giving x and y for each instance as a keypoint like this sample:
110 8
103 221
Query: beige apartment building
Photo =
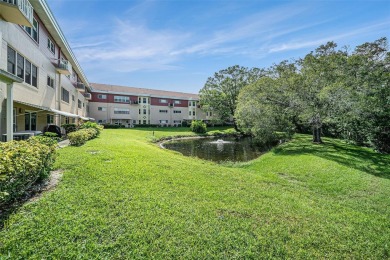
41 81
129 106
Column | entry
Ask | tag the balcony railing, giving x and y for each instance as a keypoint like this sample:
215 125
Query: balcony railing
80 86
88 96
64 67
17 11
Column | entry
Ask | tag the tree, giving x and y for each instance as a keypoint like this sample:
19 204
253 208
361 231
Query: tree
269 105
321 74
220 92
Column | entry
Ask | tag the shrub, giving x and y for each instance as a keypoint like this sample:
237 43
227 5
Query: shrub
81 136
198 126
112 126
22 164
92 125
69 128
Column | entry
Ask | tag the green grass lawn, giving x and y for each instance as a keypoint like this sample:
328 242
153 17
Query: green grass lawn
124 197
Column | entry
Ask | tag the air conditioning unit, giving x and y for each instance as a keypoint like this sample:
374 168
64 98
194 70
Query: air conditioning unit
88 96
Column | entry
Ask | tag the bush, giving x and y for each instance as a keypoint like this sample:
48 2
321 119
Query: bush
81 136
198 126
22 164
92 125
69 128
112 126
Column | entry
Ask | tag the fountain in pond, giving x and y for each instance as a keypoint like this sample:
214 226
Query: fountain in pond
220 141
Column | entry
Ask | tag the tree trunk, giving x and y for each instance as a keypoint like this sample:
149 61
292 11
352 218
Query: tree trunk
317 135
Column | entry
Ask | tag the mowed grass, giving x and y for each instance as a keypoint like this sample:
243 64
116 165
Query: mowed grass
124 197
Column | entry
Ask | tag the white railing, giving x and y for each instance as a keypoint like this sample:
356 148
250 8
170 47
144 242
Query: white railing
64 67
25 9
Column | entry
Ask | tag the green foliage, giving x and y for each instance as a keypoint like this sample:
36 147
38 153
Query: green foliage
220 92
343 94
198 126
124 198
92 125
112 126
23 163
69 128
81 136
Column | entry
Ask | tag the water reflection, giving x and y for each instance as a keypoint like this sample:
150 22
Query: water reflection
228 149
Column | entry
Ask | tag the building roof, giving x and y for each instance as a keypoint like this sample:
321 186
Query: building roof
104 88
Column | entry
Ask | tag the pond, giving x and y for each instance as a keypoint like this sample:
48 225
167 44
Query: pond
218 150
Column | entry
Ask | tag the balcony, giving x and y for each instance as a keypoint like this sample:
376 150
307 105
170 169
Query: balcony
88 96
17 11
80 86
64 67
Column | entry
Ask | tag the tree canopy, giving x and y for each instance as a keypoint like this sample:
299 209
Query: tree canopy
331 91
220 92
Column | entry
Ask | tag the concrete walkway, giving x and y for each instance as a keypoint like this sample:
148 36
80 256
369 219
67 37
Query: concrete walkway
64 143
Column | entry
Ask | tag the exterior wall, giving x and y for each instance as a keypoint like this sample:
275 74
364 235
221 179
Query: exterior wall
43 95
155 110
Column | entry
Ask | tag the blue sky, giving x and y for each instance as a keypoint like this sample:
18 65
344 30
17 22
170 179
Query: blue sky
177 44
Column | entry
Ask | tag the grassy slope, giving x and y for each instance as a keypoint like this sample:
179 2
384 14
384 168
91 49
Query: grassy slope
132 199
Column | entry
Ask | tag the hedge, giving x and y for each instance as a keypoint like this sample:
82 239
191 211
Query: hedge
22 164
198 126
87 132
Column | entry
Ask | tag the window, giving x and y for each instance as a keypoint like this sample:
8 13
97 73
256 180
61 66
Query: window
79 103
121 99
139 111
73 98
102 109
101 96
189 113
177 111
144 111
33 31
163 121
50 81
50 45
34 73
144 100
20 66
177 121
144 122
121 111
11 60
163 111
193 113
163 101
50 119
177 102
27 75
65 95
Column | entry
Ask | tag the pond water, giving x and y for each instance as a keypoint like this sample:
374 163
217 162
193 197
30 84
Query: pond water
218 150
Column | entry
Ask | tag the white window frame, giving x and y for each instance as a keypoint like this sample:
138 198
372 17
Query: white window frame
30 30
51 46
103 109
121 111
163 101
102 96
121 99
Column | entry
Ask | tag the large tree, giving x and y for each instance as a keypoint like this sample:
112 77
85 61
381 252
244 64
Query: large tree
270 104
220 92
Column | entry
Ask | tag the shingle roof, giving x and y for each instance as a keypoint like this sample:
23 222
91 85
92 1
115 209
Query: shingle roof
141 91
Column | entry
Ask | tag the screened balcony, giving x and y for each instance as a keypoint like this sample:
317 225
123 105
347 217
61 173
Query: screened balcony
64 67
17 11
